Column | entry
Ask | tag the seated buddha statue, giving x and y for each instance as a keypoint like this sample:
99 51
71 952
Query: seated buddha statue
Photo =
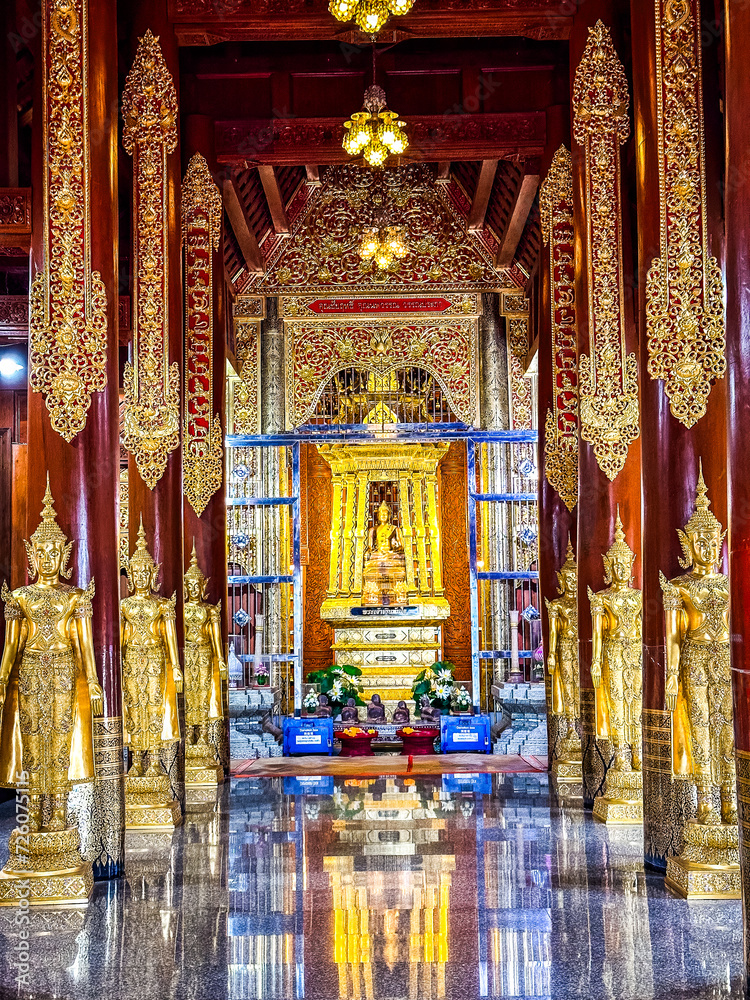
384 576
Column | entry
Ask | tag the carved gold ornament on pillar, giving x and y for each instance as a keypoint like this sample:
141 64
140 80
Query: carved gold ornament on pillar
202 446
68 301
152 385
684 288
561 432
608 388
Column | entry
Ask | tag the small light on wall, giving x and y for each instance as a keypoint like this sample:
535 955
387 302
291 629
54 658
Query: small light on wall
9 367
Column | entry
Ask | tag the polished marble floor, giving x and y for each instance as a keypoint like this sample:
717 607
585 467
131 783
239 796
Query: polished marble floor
382 889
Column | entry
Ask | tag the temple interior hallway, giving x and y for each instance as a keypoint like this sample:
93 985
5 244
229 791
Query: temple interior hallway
384 888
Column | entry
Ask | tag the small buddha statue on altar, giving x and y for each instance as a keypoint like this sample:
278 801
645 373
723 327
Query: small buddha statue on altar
151 679
616 671
48 693
429 713
350 712
401 715
376 709
204 671
562 664
384 576
325 711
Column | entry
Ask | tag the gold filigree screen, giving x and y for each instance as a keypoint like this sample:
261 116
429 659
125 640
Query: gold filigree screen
684 287
68 301
152 385
608 375
202 447
561 428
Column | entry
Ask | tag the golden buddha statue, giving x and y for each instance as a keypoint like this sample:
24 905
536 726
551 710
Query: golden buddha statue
151 679
204 671
48 691
699 696
562 663
616 670
384 574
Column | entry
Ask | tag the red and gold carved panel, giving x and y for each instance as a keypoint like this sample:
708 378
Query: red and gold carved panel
453 496
561 433
608 375
318 634
684 288
202 446
444 348
152 385
68 300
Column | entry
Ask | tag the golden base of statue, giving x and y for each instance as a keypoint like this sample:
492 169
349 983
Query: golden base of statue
709 866
46 869
201 767
149 803
567 766
622 802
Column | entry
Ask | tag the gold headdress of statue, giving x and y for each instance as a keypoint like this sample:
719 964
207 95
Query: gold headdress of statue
142 557
702 519
619 549
49 531
194 572
570 563
384 507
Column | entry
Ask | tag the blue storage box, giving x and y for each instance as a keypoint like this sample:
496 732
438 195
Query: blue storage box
468 784
309 784
465 733
308 736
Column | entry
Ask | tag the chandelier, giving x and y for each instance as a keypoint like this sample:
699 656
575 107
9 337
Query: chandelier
375 132
383 246
370 15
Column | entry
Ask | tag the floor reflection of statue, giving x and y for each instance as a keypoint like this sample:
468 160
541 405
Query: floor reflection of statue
204 670
562 663
48 688
699 696
616 670
384 574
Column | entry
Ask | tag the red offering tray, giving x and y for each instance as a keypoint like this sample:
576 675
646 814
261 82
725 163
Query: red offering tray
418 742
357 742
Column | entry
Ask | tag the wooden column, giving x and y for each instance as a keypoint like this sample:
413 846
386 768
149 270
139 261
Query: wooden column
84 472
737 208
600 293
671 451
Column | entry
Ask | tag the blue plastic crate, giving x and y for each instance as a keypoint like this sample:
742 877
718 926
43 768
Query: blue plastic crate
468 784
309 784
465 733
308 736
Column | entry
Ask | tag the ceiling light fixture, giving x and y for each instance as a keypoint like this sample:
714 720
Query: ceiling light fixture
370 15
375 132
384 246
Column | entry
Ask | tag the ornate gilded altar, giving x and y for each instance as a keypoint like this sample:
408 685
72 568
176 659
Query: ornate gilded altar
386 598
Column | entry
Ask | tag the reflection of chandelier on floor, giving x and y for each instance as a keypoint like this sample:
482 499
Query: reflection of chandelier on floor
370 15
375 132
384 246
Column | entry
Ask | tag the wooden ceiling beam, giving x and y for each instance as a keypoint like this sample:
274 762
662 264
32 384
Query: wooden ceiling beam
246 238
480 203
275 199
524 200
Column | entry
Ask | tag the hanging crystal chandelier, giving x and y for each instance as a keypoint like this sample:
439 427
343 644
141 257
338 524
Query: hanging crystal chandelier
370 15
375 132
384 246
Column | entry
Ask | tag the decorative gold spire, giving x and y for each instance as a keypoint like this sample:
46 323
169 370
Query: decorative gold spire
141 556
194 571
702 518
49 530
620 547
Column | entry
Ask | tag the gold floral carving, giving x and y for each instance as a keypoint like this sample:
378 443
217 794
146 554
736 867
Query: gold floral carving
608 376
561 429
322 255
203 449
68 301
446 349
152 385
684 286
522 406
245 390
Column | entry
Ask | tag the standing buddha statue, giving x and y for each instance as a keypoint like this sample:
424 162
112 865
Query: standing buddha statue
48 691
562 663
384 574
699 696
616 670
151 678
204 671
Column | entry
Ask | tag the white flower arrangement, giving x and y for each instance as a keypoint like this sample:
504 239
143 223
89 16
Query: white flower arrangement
337 691
311 701
461 699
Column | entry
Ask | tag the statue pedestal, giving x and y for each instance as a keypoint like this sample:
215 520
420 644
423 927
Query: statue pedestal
149 804
622 802
46 869
201 767
708 867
